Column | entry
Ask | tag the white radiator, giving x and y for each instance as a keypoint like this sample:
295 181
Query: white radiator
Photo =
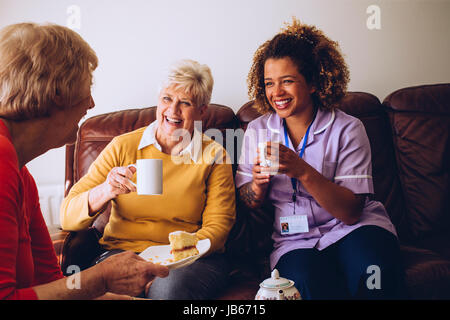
50 198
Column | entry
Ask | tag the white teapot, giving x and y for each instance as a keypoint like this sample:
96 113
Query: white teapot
276 288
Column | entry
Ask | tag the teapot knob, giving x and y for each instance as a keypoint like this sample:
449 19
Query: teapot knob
275 274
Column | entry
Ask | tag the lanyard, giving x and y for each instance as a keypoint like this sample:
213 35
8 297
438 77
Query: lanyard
302 151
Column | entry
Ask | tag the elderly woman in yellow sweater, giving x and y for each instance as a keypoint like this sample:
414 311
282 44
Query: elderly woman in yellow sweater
199 194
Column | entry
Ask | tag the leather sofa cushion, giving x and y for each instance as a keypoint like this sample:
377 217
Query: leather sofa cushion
420 118
426 273
369 110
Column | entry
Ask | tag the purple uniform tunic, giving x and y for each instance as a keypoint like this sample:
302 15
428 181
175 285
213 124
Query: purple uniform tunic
337 147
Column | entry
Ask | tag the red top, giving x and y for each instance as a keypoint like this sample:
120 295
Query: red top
27 256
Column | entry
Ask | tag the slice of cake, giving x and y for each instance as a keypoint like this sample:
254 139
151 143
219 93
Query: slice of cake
183 244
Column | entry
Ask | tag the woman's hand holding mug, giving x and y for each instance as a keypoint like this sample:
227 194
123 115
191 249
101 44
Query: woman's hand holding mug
119 181
149 177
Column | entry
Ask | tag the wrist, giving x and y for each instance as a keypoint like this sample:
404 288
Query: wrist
306 174
102 278
249 196
258 190
98 199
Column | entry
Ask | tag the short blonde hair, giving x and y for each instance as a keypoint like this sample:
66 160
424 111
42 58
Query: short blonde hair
193 78
37 63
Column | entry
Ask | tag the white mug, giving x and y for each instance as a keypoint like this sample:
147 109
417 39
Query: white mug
149 176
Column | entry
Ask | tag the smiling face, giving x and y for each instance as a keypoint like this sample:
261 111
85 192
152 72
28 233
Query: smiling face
286 89
176 111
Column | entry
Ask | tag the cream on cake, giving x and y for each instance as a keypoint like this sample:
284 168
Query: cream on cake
183 244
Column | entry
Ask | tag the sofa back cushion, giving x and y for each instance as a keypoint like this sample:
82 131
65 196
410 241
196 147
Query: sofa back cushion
369 110
96 132
420 118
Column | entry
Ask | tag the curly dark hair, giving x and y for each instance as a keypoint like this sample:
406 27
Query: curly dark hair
317 57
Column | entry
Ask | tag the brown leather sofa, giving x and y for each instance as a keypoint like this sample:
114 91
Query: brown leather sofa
410 142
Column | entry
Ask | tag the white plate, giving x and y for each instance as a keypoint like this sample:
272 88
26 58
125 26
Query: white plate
161 255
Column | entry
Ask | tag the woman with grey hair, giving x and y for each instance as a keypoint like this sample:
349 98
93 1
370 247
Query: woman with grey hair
198 197
45 90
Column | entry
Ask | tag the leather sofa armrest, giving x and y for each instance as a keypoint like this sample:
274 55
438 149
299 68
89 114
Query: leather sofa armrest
58 238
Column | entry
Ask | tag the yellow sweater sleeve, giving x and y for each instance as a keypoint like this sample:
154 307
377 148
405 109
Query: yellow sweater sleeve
74 212
220 210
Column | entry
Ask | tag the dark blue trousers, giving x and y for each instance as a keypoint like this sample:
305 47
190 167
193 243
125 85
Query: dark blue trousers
365 264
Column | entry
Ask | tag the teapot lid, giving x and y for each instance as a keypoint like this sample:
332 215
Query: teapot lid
276 282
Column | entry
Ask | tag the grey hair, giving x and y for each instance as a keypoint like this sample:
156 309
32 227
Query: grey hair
191 77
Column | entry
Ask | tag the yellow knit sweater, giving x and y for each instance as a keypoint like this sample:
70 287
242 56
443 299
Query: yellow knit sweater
197 197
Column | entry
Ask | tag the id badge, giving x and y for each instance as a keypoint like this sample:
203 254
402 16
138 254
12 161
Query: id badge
294 224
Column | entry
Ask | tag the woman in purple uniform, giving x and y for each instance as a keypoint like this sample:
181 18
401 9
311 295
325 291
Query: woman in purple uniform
328 236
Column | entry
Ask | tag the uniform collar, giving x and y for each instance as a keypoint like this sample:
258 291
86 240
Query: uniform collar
322 121
193 148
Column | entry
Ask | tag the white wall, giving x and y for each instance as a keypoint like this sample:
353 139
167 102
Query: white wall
136 39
